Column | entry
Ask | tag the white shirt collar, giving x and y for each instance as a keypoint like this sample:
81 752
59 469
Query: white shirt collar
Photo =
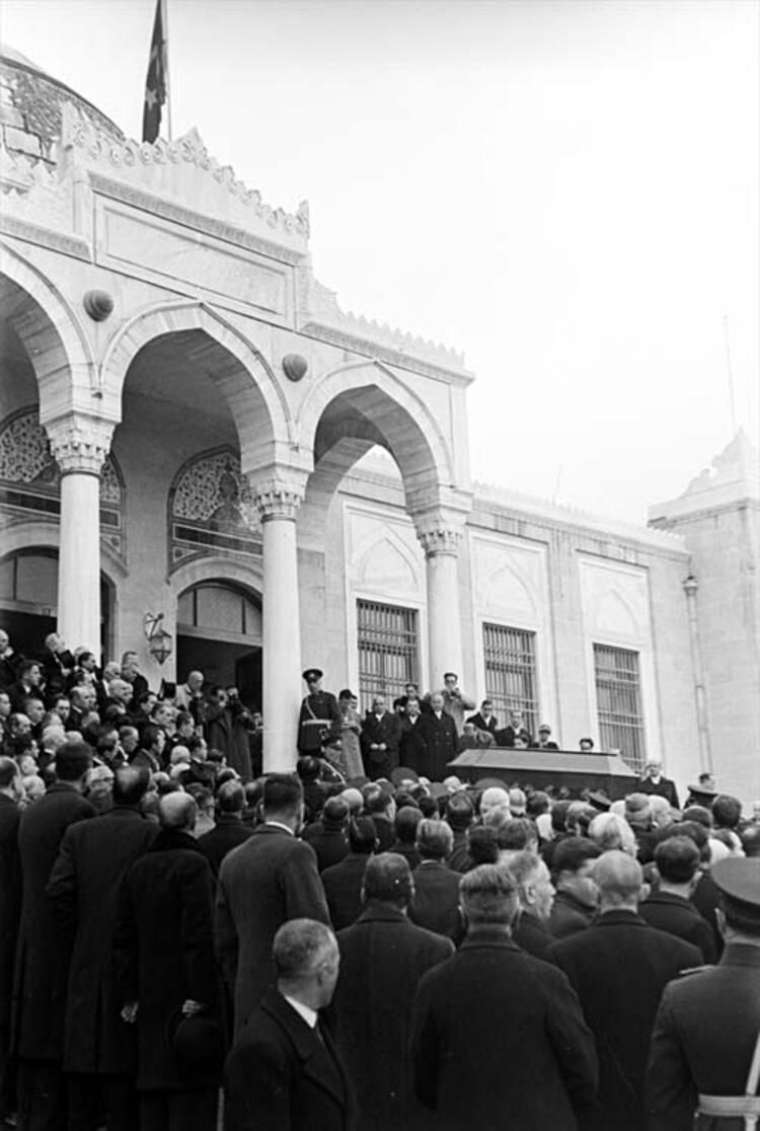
279 825
309 1015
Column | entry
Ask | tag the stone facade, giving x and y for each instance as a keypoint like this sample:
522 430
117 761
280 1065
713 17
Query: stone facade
163 325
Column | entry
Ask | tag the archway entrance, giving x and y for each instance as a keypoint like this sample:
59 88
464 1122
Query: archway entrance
219 633
28 597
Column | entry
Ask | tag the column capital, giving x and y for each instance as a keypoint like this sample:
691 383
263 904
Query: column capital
440 532
80 443
278 494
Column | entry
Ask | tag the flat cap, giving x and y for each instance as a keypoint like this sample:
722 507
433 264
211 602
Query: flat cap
599 801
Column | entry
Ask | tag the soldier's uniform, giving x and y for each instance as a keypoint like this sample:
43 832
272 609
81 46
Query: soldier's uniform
707 1028
320 716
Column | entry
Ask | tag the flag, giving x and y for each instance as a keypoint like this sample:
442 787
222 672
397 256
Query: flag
156 82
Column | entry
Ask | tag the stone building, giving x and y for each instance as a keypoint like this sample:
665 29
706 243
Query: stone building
192 428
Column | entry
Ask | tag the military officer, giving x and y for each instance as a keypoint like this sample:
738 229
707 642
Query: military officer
705 1051
320 716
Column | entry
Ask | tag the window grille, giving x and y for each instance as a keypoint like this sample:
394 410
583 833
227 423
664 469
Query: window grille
511 684
618 696
387 640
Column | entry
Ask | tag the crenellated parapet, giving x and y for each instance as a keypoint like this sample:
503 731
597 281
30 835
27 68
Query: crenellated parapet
324 318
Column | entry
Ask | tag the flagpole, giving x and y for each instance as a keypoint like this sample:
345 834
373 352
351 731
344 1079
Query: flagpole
165 26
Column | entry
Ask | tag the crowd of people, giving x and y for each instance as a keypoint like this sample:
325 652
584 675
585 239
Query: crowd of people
186 943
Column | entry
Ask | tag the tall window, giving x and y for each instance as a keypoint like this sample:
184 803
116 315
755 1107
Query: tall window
387 650
510 657
618 696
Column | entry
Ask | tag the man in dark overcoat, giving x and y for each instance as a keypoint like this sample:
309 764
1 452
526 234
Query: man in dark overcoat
165 969
440 736
381 731
435 903
619 967
320 715
284 1072
498 1037
228 831
707 1026
43 952
99 1054
11 792
412 745
342 882
269 879
382 958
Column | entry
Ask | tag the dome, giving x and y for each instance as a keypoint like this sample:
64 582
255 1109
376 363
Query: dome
31 104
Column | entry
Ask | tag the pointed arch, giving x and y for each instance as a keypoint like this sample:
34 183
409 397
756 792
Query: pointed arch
399 419
233 363
53 336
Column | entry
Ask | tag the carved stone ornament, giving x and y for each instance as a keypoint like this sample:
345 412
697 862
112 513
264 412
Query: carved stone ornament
440 540
80 444
278 498
294 366
98 305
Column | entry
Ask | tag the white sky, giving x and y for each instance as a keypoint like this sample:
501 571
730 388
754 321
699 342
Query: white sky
568 191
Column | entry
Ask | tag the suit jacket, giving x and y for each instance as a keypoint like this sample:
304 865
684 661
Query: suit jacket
619 968
382 958
83 889
343 884
491 726
532 935
507 736
387 730
330 844
412 747
436 900
228 832
569 915
42 953
440 737
269 879
704 1037
679 917
164 952
499 1040
280 1076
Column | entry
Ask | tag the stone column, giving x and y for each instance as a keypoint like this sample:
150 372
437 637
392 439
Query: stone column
79 445
278 500
441 540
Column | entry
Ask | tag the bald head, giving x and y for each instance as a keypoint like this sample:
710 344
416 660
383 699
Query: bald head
494 799
619 878
177 811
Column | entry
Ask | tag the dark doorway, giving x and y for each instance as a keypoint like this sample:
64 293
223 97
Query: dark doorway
219 634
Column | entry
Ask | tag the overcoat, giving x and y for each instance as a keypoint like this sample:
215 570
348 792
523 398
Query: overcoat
499 1041
619 967
10 906
703 1040
83 889
282 1076
43 951
679 916
164 952
382 958
269 879
342 885
440 737
412 747
385 730
435 905
228 832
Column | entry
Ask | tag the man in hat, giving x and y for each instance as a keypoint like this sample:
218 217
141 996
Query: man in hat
455 702
654 782
544 738
320 715
707 1026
